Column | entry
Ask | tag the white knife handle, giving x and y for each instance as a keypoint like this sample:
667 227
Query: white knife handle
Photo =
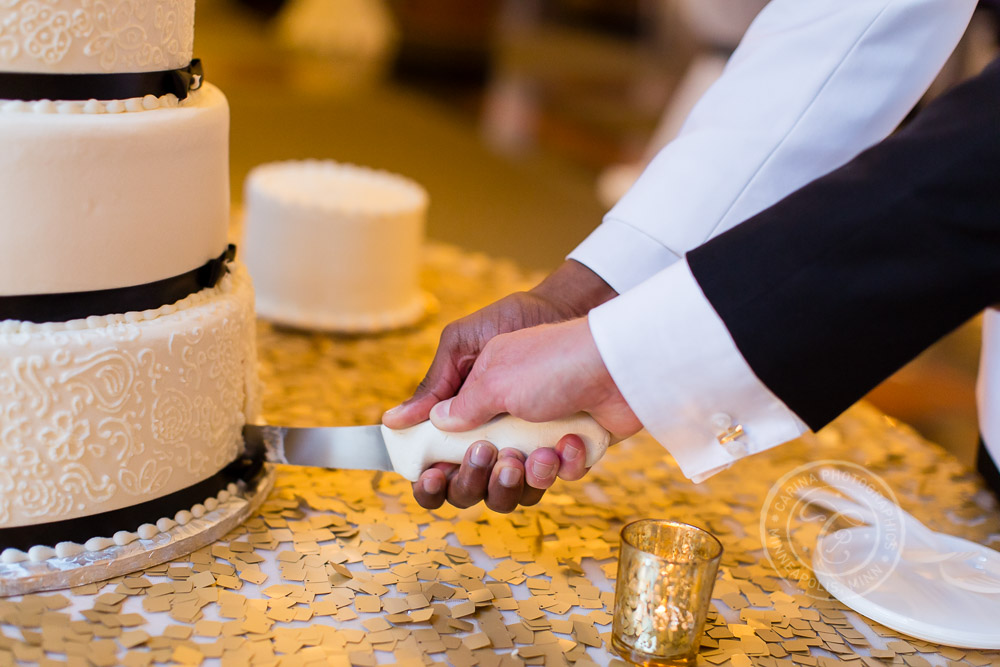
413 450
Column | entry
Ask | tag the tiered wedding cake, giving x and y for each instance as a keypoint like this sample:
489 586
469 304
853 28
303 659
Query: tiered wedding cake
127 361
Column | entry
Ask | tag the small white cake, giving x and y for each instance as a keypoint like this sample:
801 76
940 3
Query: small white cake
334 247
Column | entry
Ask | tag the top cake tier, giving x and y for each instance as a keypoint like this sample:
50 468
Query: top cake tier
95 36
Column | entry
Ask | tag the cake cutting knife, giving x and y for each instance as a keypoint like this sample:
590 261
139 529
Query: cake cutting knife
408 452
412 450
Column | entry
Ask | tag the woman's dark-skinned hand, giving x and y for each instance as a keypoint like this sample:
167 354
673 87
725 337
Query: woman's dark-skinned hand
507 478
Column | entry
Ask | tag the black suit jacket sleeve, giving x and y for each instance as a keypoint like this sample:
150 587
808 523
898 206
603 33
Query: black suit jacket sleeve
838 285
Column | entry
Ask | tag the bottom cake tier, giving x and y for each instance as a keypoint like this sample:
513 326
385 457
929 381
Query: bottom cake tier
112 411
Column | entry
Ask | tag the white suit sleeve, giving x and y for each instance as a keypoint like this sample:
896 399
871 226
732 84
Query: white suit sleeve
811 85
681 373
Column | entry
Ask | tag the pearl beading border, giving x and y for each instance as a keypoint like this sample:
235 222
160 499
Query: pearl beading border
147 531
95 107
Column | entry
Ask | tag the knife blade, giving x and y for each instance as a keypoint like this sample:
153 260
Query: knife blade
412 450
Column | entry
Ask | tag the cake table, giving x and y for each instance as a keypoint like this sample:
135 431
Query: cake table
343 568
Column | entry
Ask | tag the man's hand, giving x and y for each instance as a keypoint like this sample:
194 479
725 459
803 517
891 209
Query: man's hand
570 291
538 374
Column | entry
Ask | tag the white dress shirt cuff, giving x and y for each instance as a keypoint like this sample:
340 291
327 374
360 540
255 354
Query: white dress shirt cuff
622 255
988 384
678 368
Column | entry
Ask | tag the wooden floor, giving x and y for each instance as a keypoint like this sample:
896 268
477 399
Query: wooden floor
510 166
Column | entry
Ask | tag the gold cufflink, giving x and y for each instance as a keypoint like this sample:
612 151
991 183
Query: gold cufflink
730 434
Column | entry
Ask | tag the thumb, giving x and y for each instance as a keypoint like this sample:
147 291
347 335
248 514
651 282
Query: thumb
410 412
472 407
442 381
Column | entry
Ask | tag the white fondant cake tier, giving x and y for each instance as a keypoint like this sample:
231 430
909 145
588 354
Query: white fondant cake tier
95 36
334 246
108 412
95 200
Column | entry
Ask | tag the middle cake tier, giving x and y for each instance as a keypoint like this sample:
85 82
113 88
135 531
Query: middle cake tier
102 195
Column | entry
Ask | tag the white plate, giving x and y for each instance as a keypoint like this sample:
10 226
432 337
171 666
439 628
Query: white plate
908 597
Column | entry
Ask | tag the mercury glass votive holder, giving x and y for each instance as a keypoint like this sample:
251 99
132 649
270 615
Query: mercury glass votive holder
666 572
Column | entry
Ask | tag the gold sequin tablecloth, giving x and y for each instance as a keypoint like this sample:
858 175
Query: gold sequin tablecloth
343 568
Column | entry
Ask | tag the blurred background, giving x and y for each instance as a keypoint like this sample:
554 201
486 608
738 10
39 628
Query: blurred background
524 119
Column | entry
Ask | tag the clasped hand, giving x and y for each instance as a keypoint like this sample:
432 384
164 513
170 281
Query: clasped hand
531 355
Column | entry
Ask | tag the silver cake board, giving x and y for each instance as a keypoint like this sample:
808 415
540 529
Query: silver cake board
89 567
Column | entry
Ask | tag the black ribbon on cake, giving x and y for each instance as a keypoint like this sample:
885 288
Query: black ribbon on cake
77 305
116 86
245 468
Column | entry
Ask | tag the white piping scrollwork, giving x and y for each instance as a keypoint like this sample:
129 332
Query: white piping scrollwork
76 36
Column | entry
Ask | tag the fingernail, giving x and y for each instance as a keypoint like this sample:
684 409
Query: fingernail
443 409
481 455
510 476
394 410
570 453
433 485
542 470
